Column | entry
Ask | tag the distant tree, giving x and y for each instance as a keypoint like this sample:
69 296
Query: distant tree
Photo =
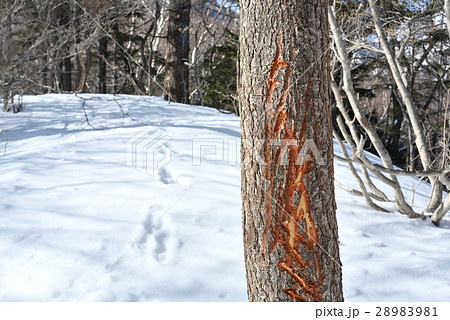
176 79
62 16
25 31
219 66
114 46
213 60
290 229
447 14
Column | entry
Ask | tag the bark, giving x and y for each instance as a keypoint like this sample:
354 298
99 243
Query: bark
57 75
447 14
103 53
419 134
146 43
290 230
67 75
441 211
6 98
117 54
46 76
176 79
85 66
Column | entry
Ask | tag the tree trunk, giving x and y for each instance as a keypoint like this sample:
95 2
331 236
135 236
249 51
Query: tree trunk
6 97
290 230
441 211
85 66
67 75
57 74
444 207
103 53
176 79
447 14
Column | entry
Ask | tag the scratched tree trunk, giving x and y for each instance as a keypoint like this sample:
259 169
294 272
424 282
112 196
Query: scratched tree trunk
102 52
176 78
289 221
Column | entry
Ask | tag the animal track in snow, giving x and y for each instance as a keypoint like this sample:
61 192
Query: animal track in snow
160 237
165 176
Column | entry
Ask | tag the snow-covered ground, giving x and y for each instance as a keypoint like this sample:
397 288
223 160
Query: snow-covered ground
83 214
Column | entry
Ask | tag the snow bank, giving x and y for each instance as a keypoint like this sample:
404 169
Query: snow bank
84 216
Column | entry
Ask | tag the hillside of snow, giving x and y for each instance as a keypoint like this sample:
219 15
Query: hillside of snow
86 216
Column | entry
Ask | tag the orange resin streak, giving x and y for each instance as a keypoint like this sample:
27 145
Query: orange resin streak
290 225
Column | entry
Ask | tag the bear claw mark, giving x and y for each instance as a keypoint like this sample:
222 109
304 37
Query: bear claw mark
289 219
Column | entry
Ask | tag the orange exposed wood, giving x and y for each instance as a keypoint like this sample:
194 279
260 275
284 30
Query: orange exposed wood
277 64
290 225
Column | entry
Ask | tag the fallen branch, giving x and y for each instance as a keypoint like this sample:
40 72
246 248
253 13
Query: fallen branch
374 166
359 193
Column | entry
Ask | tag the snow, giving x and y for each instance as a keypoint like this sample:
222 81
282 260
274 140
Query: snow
84 216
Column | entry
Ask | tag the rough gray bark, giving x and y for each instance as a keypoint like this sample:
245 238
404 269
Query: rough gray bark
290 229
176 79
